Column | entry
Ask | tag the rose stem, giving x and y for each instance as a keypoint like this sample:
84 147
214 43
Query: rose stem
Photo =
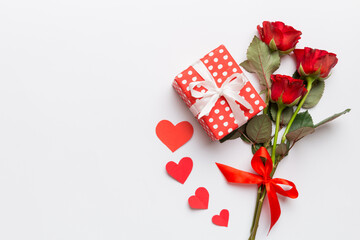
265 111
278 115
308 88
259 193
262 194
260 200
262 190
259 207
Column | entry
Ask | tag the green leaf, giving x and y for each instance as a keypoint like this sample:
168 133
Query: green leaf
272 45
315 94
296 75
272 111
244 137
237 133
263 91
285 115
262 61
326 120
247 66
231 136
269 149
245 140
299 133
255 147
259 129
303 119
281 149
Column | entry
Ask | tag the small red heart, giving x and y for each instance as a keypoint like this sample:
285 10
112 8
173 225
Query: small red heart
222 219
180 171
200 200
174 136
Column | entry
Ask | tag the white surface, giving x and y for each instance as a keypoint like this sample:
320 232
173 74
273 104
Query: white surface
79 158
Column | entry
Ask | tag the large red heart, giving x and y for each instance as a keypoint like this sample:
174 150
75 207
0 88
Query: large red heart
180 171
174 136
200 200
222 219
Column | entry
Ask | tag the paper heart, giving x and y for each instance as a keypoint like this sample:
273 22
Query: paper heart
222 219
180 171
174 136
200 200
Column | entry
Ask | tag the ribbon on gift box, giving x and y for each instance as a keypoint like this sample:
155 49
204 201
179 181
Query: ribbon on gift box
230 90
264 170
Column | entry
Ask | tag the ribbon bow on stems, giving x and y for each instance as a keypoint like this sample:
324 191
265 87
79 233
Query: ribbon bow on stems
263 166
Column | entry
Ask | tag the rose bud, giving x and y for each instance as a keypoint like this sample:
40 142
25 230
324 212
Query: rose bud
314 63
286 90
279 36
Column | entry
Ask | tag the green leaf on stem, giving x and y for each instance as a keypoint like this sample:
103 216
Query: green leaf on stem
314 95
255 147
237 133
326 120
247 66
231 136
285 115
303 119
288 144
245 138
262 61
281 149
296 75
259 129
269 148
303 125
299 133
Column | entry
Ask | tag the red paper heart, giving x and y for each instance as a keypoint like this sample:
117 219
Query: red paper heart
174 136
222 219
200 200
180 171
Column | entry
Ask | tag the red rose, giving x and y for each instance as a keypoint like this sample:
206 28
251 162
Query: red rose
314 62
284 37
287 90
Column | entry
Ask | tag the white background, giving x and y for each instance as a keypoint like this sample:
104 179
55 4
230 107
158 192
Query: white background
83 84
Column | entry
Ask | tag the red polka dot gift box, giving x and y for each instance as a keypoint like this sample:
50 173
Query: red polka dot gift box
218 93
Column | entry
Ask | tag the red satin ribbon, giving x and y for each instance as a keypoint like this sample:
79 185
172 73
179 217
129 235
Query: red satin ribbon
233 175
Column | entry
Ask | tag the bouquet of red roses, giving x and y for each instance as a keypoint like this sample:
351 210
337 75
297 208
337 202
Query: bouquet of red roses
228 107
285 96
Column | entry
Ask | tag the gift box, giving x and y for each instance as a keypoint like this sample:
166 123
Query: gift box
218 93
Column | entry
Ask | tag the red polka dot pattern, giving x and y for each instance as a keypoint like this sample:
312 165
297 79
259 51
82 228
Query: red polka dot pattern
220 121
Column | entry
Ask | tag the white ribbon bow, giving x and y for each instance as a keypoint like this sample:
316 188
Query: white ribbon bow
229 89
